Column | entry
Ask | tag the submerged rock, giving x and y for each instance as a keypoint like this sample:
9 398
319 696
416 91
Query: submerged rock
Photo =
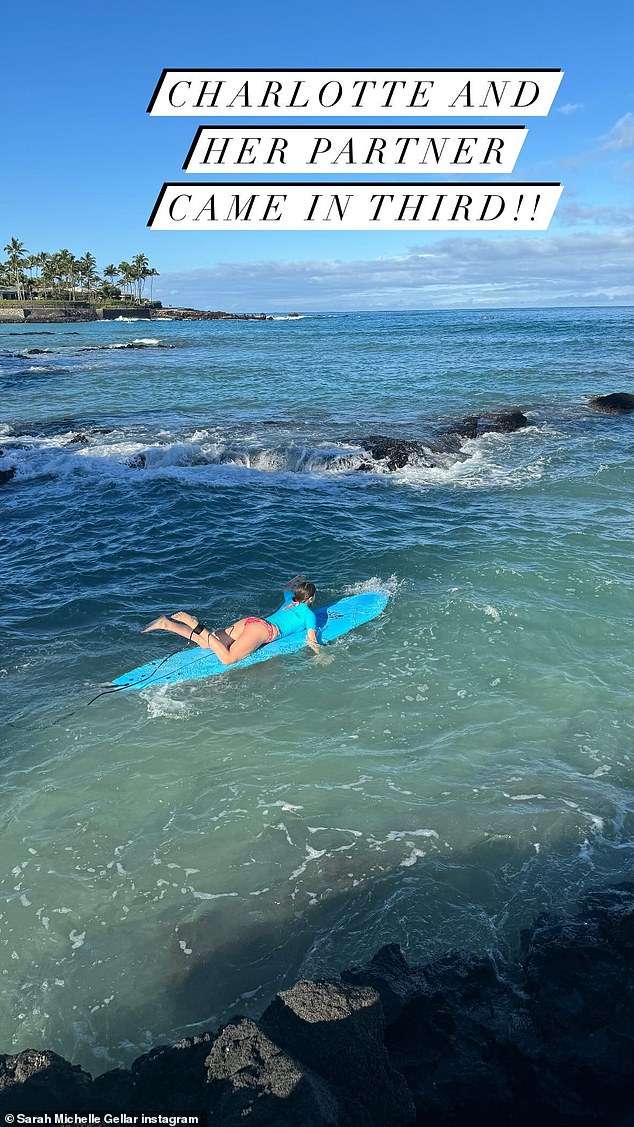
7 475
617 403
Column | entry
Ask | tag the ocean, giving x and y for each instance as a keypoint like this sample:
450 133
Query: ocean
436 778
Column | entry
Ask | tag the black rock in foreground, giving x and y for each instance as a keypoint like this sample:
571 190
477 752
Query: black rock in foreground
548 1039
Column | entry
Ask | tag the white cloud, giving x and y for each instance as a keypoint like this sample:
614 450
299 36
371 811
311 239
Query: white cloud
621 135
570 107
571 214
580 268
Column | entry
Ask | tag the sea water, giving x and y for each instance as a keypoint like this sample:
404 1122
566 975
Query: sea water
436 778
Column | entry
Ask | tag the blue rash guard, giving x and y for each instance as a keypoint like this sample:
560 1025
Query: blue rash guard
292 617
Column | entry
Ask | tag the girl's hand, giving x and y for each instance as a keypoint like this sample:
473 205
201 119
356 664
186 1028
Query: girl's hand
291 582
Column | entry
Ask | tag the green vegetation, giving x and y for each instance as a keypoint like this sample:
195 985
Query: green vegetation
61 276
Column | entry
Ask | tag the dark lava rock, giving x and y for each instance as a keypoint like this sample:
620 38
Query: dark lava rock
399 452
580 984
114 1089
504 422
618 403
460 1045
613 912
185 314
77 438
34 1081
548 1040
396 452
170 1079
251 1079
338 1030
467 428
7 475
137 462
388 973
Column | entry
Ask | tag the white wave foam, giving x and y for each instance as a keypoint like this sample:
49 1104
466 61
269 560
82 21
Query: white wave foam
412 857
287 317
492 612
160 705
404 835
311 855
138 342
389 586
208 454
493 459
211 895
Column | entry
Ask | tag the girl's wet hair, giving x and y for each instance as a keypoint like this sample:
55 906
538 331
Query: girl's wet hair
304 591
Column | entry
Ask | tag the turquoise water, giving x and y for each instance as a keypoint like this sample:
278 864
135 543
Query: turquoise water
436 778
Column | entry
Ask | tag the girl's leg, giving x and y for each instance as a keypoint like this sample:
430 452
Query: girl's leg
169 624
251 637
228 635
188 619
182 624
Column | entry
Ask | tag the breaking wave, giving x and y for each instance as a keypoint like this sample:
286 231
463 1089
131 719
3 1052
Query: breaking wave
492 459
141 342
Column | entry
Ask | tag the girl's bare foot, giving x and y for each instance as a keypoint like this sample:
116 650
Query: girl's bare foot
188 619
155 624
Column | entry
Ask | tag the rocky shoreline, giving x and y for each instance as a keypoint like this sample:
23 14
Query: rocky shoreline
75 312
548 1037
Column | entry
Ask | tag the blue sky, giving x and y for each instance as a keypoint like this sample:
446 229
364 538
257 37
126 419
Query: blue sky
83 162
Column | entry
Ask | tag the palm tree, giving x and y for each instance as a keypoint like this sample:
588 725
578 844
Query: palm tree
87 272
17 258
127 275
152 274
67 268
41 261
140 268
62 271
111 272
52 272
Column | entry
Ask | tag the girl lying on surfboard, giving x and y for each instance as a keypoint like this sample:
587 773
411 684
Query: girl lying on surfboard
248 634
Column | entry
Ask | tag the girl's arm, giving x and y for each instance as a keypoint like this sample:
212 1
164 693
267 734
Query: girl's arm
311 640
291 582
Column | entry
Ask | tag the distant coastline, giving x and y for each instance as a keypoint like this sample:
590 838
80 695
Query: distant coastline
36 313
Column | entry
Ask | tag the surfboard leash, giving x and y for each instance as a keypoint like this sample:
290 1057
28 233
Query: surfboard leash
108 691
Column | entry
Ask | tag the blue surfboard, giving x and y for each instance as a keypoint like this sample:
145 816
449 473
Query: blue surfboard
188 665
